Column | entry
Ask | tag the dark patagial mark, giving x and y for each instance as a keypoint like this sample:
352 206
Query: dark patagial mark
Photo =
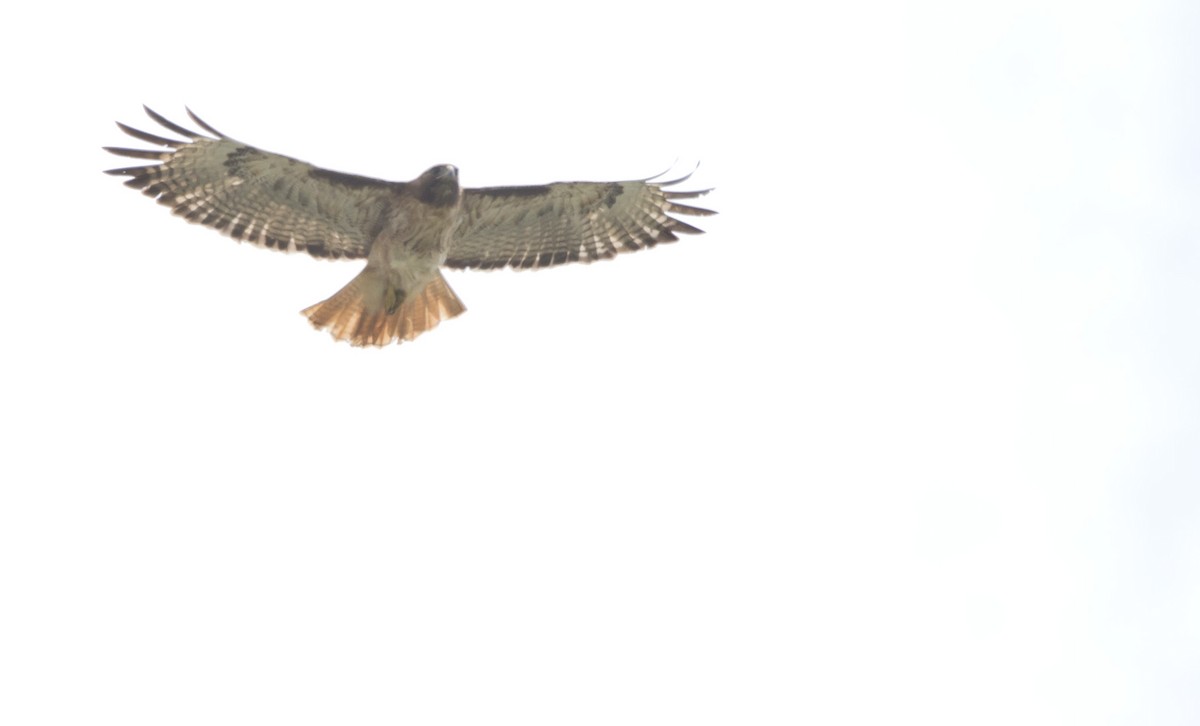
352 181
531 191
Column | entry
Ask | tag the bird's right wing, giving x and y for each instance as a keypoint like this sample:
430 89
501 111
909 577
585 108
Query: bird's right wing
268 199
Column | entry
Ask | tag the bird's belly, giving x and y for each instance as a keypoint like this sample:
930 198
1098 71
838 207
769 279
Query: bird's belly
408 267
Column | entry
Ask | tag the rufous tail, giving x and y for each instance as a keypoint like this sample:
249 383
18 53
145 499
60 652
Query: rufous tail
358 313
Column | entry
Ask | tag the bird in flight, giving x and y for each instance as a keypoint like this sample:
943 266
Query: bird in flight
406 231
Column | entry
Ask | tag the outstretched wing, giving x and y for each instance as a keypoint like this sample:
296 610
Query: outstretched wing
256 196
538 226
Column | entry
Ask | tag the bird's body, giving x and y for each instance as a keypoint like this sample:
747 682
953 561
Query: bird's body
406 231
401 292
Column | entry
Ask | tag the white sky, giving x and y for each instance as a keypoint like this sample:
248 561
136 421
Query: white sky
909 436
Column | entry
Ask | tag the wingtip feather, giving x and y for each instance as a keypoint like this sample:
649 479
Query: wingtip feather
138 153
163 121
203 125
677 180
128 170
686 195
683 227
686 209
149 138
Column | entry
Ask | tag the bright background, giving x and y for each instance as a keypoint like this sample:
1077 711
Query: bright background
910 436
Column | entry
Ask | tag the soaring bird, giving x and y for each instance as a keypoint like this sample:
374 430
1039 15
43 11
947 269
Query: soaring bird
406 231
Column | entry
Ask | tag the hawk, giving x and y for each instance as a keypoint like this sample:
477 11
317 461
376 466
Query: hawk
406 231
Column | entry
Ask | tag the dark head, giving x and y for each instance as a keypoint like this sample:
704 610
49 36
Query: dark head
438 186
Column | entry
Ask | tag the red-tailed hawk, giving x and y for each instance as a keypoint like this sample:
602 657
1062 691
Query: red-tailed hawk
405 230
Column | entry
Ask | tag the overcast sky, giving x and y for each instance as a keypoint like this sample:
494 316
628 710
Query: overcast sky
908 436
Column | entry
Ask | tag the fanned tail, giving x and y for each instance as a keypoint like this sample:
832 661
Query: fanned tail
358 313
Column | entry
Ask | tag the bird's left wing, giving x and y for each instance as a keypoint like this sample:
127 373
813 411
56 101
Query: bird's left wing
257 196
552 224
